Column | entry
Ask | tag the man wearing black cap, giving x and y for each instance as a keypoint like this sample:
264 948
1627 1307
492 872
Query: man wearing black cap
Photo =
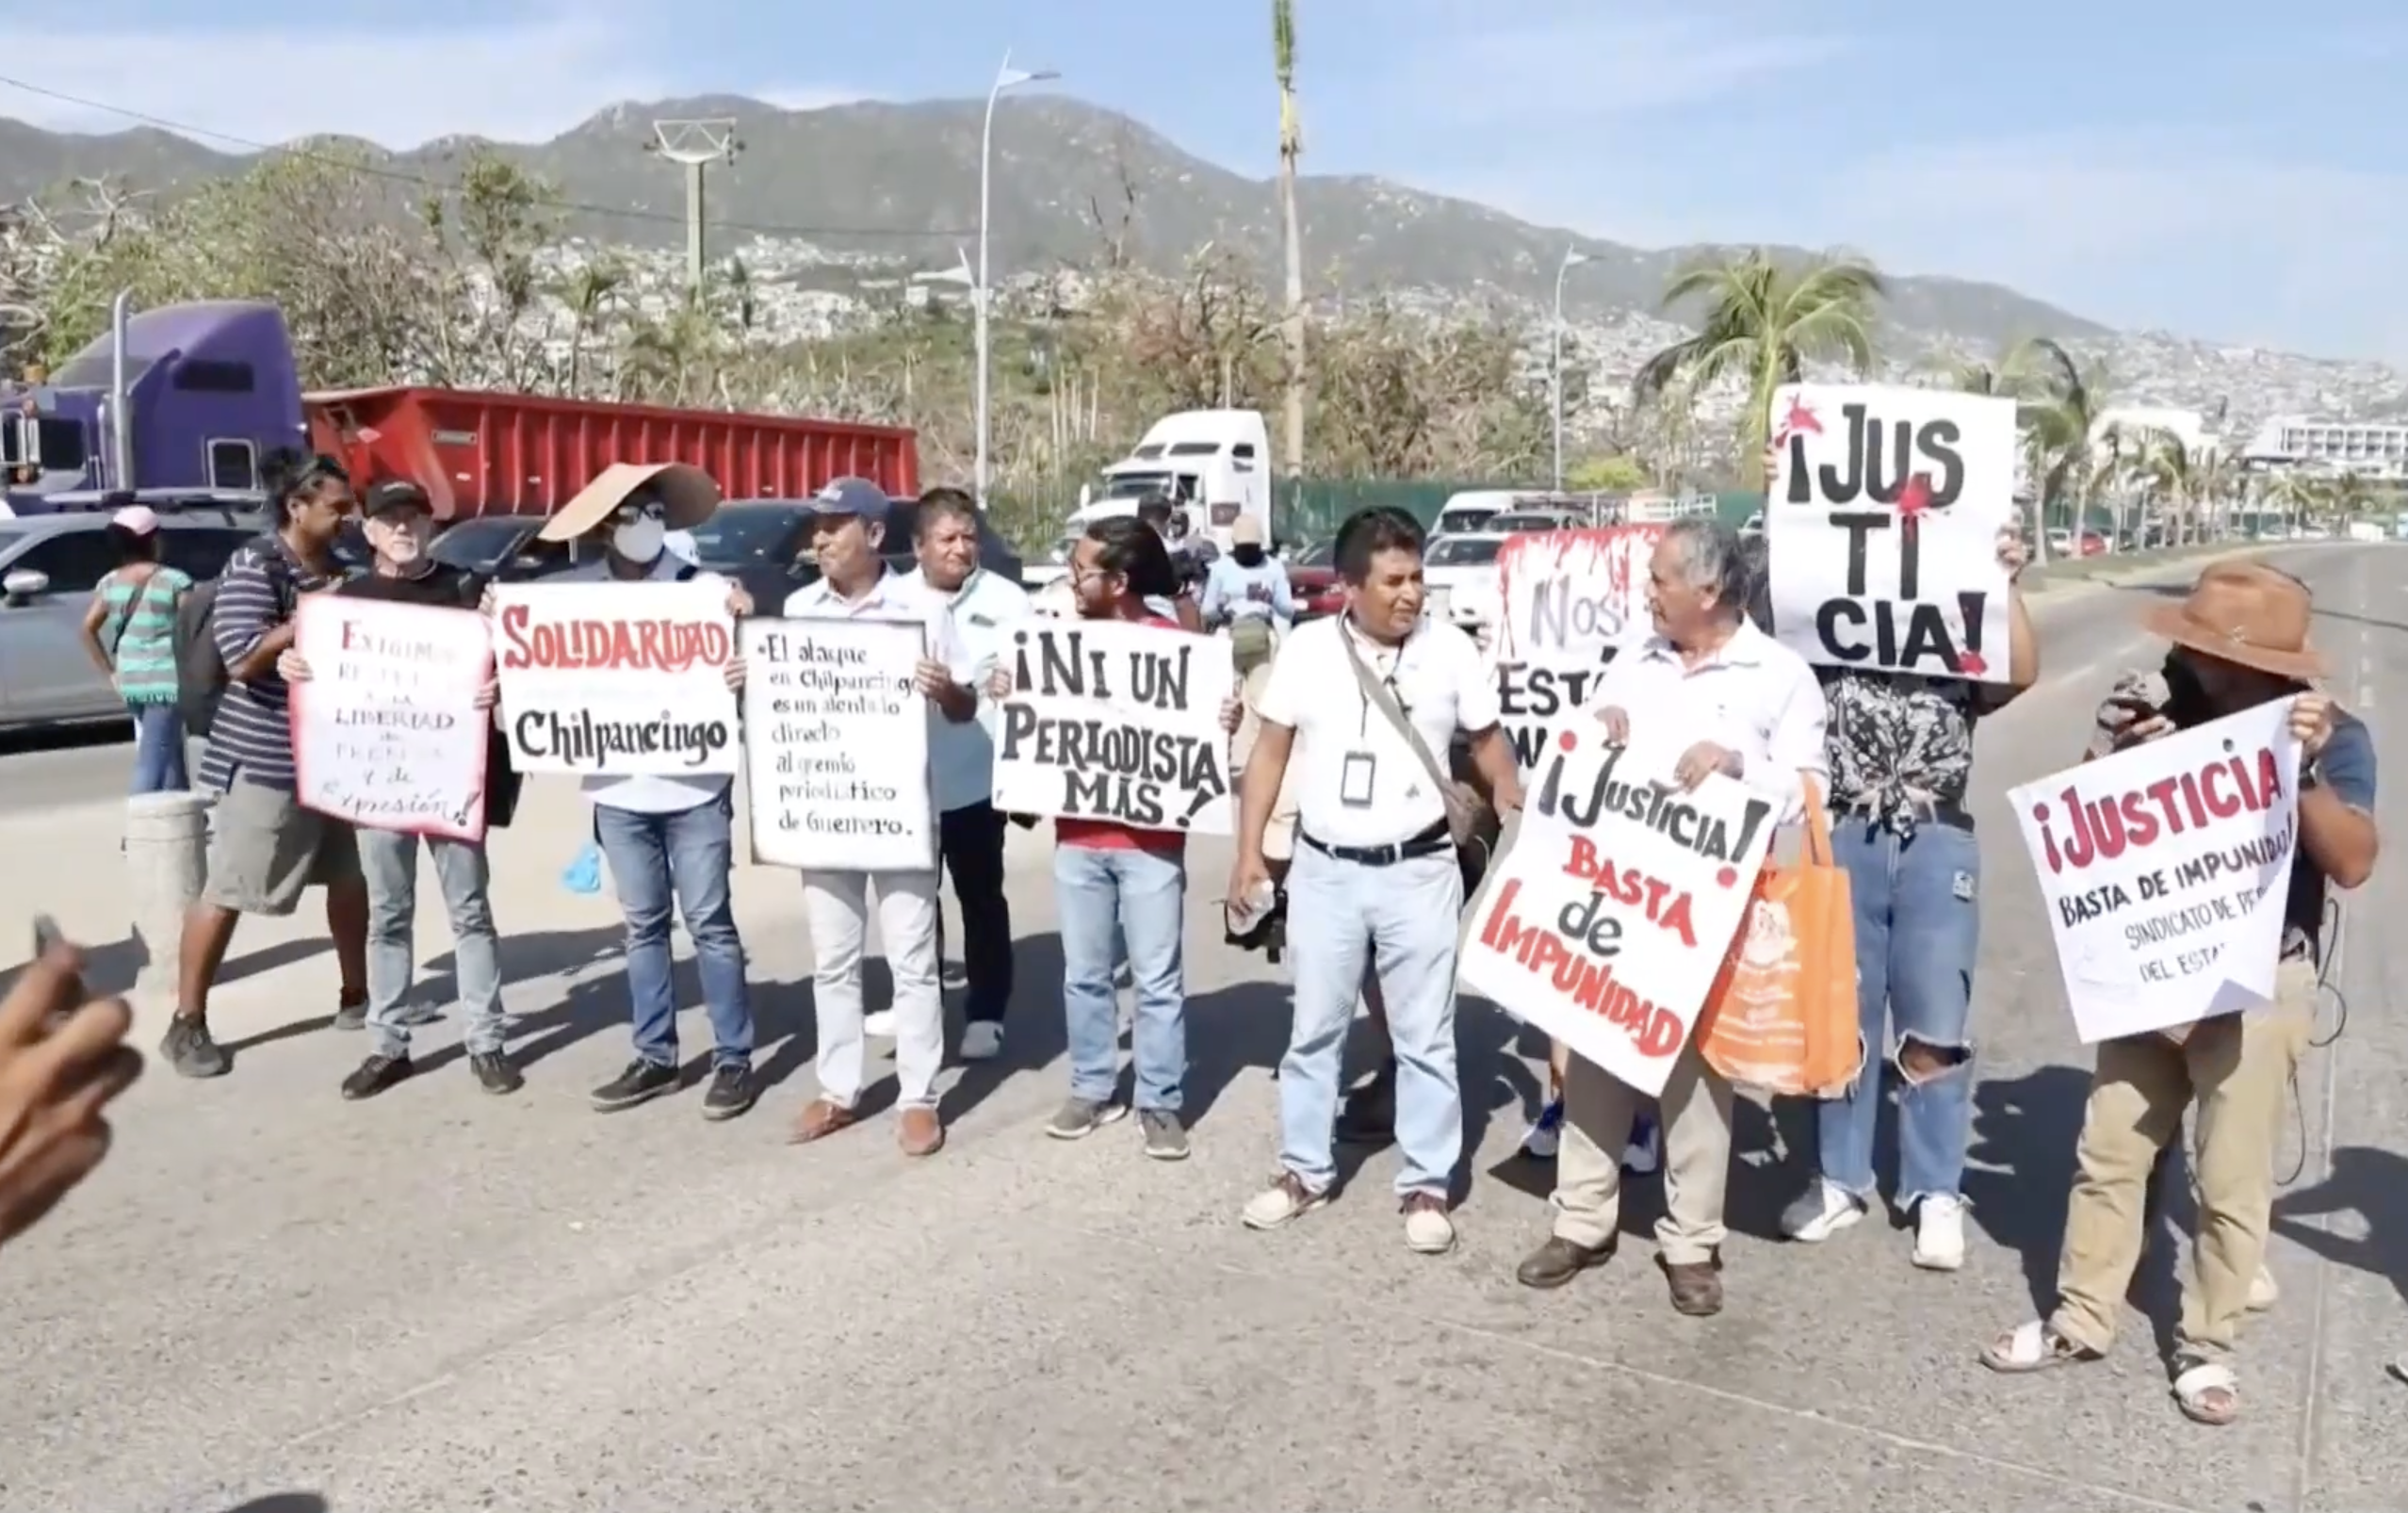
399 524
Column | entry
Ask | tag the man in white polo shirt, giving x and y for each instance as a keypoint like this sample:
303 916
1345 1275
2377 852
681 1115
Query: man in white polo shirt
1741 704
983 607
847 531
1366 704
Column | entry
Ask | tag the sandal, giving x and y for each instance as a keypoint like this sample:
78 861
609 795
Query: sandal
2207 1392
2033 1347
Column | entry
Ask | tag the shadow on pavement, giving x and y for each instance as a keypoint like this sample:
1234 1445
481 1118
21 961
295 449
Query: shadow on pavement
284 1502
2374 1184
2021 1166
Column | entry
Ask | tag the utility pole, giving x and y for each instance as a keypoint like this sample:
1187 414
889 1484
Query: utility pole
694 145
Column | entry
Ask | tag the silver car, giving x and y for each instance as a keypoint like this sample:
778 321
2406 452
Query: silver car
49 566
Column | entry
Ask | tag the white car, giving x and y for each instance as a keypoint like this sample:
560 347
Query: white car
1462 571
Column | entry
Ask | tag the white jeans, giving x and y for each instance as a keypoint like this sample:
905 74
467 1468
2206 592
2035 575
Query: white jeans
836 905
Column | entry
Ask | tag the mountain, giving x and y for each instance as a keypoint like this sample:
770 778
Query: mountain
901 181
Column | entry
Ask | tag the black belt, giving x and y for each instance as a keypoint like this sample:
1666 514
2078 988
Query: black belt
1949 815
1429 843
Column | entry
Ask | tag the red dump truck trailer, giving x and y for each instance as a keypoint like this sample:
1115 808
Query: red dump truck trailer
478 454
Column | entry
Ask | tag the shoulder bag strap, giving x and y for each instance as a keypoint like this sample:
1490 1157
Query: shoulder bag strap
1382 699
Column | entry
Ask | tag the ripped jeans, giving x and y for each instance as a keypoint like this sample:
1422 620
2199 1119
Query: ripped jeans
1918 924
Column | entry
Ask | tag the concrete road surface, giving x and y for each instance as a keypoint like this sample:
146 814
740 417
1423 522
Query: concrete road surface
438 1301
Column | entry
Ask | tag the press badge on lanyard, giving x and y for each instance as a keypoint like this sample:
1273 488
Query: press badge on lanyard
1355 780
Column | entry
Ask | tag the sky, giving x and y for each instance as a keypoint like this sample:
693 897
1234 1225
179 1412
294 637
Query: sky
2216 169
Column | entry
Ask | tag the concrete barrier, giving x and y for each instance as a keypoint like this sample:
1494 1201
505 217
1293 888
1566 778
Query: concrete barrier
166 860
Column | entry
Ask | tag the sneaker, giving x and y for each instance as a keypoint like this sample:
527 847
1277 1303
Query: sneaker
1644 1155
1939 1232
1165 1137
981 1040
190 1050
1080 1117
494 1072
642 1081
351 1016
880 1024
1545 1136
1428 1232
1819 1213
375 1075
732 1092
2264 1292
1284 1202
1368 1115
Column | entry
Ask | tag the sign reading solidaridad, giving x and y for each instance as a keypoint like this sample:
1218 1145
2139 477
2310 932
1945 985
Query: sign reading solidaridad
617 679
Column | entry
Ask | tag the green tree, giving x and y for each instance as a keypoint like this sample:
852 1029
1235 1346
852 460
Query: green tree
1762 324
1619 474
1283 63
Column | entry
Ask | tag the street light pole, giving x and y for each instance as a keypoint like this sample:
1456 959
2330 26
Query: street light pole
1573 258
982 292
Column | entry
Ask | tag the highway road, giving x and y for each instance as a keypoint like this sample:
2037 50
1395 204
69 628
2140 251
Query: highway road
437 1301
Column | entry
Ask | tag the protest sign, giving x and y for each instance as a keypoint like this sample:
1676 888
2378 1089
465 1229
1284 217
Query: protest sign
1109 720
836 744
1571 599
1882 526
1607 922
386 732
2165 869
617 679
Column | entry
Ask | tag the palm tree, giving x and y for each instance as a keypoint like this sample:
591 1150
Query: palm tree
1762 323
589 294
2166 476
2058 422
1283 65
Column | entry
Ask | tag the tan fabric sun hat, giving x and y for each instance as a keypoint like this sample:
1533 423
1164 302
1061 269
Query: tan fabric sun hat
686 492
2246 613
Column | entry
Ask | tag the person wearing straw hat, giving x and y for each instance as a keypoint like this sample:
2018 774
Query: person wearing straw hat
2241 640
669 841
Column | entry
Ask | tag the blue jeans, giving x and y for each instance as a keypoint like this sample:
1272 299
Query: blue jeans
158 749
1343 917
1106 894
682 857
1918 925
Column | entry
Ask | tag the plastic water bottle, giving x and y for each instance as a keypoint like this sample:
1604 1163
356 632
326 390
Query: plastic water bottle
584 871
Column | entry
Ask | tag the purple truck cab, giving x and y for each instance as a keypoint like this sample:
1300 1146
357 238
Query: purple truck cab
174 405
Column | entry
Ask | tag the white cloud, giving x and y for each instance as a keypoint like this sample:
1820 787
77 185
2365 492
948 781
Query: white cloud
524 77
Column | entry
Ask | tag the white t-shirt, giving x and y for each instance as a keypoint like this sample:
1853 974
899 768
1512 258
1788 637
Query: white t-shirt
907 597
650 794
983 612
1357 781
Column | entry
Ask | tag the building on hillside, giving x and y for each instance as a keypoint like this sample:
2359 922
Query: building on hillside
2372 448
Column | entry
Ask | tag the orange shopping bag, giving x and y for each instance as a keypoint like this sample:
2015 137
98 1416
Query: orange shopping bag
1782 1014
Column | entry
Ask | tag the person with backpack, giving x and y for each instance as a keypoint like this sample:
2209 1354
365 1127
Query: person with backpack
265 849
400 524
130 631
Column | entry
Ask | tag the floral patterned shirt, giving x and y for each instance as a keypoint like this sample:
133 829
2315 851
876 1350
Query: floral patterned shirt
1899 744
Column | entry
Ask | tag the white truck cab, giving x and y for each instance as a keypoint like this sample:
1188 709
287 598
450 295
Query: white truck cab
1214 464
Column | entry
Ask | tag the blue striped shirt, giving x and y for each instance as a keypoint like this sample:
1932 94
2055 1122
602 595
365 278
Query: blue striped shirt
253 733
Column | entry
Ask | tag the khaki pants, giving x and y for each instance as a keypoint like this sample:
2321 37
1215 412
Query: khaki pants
2238 1069
1598 1110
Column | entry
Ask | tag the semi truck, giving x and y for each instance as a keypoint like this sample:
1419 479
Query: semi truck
177 405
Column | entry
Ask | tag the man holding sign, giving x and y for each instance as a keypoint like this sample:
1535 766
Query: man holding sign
2239 642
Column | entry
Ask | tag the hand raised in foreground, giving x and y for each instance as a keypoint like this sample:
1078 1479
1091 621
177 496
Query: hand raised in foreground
734 673
292 666
1232 714
998 683
1618 724
933 678
1701 761
63 1058
2311 722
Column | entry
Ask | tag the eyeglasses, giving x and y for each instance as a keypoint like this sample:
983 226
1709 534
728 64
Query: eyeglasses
627 514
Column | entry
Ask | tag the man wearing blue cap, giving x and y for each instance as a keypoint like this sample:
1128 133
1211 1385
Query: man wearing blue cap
848 536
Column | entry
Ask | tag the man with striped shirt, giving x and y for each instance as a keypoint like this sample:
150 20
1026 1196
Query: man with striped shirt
264 848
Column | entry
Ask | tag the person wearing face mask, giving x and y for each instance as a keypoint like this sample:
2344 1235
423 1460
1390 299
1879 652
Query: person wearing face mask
400 522
669 841
2240 640
1368 703
266 850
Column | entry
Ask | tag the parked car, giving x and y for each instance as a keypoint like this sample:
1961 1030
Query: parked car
503 547
1464 569
765 543
1312 579
49 566
1521 522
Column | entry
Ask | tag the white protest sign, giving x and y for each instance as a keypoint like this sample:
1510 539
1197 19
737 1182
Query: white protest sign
1109 720
620 679
386 732
836 744
1606 922
1571 599
1882 526
2165 869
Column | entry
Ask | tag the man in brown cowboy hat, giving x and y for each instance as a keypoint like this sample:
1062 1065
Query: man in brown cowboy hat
2241 640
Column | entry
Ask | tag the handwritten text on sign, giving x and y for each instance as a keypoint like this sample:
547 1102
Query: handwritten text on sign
2165 869
1883 528
620 679
836 744
1572 598
386 732
1113 721
1607 922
